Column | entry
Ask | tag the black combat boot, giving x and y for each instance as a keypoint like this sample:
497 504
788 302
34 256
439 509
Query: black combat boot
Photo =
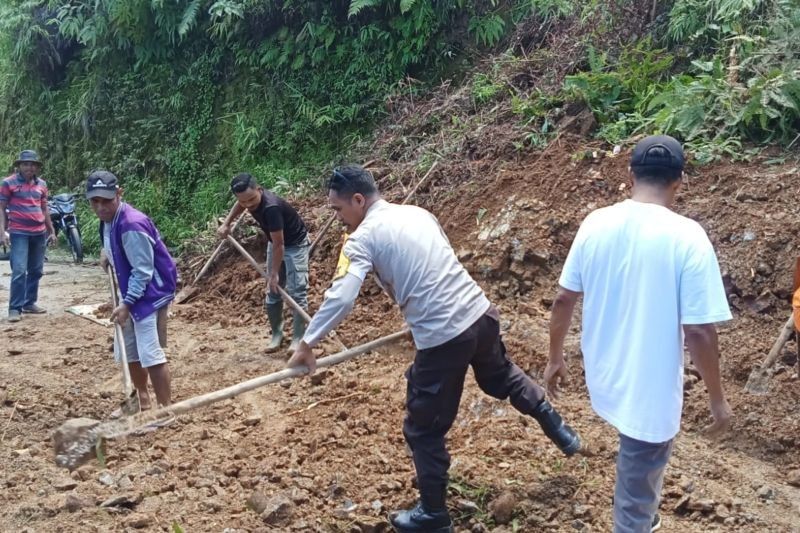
429 515
556 430
419 519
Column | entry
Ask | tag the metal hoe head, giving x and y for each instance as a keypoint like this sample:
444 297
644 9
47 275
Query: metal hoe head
130 405
758 382
79 440
186 294
76 442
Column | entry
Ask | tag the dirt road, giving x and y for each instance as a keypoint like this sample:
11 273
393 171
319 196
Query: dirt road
323 456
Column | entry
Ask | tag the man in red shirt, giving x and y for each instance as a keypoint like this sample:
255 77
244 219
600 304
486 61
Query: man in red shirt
24 194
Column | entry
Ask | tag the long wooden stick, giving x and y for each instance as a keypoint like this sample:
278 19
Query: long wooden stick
326 401
783 337
323 230
216 252
289 300
127 383
10 418
420 182
255 383
758 380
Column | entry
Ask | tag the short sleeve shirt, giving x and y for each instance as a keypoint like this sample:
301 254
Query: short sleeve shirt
644 271
276 214
27 203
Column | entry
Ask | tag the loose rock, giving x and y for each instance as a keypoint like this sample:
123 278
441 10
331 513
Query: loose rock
64 485
76 502
320 377
278 509
257 502
252 420
766 493
467 506
722 512
106 478
502 507
372 525
703 505
139 521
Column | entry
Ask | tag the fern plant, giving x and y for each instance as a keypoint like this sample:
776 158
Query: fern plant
488 29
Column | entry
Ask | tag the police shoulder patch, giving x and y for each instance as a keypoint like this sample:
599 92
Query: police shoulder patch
344 262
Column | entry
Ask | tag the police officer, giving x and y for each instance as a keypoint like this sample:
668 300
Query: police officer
453 324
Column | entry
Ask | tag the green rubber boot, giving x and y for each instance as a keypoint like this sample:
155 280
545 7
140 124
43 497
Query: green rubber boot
275 316
298 330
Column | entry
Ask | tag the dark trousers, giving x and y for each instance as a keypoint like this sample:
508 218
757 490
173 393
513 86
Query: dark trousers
435 384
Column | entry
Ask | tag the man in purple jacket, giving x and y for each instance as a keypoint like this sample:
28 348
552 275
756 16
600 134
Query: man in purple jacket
146 277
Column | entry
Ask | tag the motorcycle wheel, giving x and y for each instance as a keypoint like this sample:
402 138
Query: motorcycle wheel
75 244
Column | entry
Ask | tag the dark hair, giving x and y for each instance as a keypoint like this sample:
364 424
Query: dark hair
348 180
657 175
243 181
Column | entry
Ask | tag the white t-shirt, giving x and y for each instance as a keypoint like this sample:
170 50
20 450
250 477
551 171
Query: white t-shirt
644 271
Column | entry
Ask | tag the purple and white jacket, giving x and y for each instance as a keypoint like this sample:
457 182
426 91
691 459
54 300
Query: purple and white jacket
145 270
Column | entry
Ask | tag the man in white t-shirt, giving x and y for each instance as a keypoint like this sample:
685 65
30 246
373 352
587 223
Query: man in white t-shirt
453 324
650 280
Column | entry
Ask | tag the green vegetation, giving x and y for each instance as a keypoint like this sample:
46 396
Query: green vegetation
177 95
722 75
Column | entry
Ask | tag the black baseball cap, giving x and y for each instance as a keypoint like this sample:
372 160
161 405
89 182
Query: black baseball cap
101 184
658 151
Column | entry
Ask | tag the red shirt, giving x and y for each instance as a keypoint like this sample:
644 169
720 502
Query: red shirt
27 204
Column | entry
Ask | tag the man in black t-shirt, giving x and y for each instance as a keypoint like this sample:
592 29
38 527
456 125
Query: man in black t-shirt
287 251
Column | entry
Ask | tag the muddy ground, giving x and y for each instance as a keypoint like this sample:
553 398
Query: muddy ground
329 455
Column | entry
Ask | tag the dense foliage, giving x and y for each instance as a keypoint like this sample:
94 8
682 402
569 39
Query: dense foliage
177 95
722 75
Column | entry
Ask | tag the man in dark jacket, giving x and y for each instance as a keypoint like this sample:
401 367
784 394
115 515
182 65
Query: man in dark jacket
146 277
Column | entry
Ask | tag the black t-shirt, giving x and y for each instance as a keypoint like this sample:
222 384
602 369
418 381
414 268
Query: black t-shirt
275 214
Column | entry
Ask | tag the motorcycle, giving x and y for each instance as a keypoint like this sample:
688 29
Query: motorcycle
62 213
5 251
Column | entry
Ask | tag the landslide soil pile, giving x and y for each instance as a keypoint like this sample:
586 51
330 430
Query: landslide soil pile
512 222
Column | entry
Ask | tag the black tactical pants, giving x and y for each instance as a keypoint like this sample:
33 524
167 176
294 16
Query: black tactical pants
435 384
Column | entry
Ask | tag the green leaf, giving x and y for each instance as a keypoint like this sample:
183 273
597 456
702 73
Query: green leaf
298 62
189 18
406 5
357 5
98 448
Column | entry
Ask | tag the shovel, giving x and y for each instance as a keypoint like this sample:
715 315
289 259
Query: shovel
758 382
187 292
130 405
79 440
